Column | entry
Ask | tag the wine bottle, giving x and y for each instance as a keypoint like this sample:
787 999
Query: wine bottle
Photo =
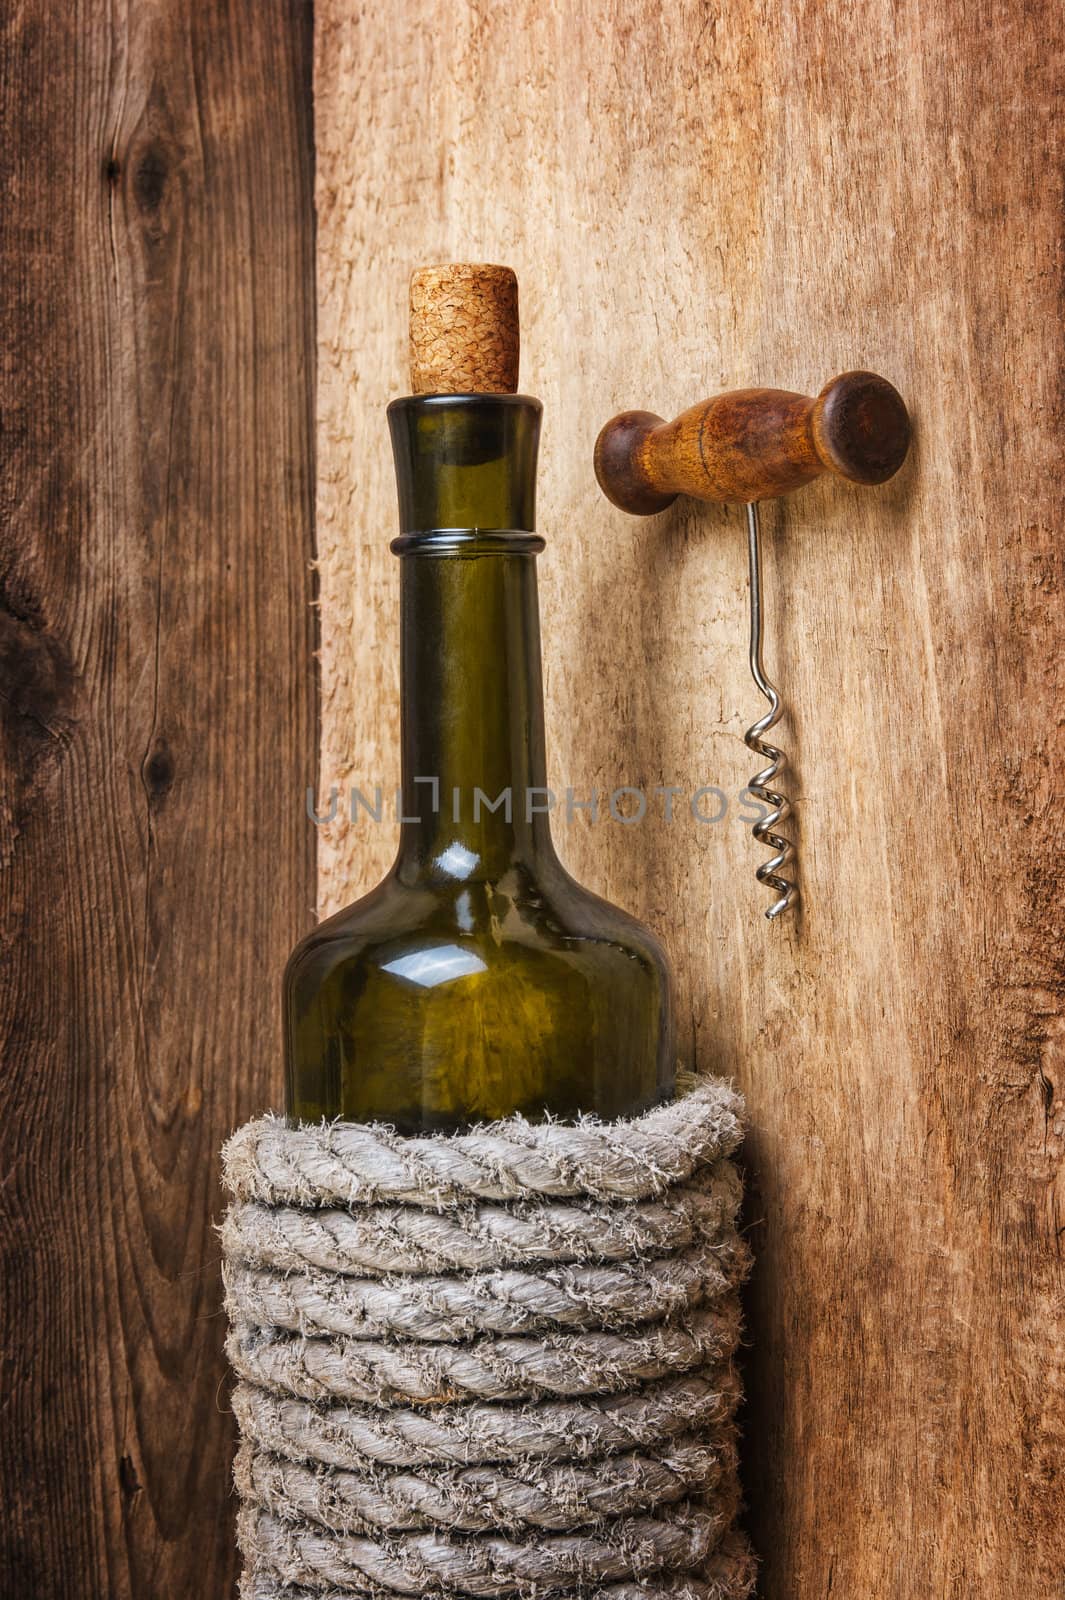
479 978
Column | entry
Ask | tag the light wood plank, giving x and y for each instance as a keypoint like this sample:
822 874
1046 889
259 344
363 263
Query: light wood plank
694 198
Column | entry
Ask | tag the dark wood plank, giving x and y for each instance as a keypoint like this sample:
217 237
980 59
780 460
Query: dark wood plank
159 724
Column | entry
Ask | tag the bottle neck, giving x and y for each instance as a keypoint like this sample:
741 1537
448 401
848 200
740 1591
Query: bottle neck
474 797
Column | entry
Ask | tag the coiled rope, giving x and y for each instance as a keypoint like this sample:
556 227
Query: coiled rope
488 1364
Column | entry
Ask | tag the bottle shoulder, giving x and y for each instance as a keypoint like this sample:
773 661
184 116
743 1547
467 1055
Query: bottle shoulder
433 1005
548 913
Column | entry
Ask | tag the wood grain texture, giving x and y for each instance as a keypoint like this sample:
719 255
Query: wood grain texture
158 717
754 444
697 198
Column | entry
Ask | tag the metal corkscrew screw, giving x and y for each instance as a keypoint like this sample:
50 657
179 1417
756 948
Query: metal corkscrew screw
741 448
764 830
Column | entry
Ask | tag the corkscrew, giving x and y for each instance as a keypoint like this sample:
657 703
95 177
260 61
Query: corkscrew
764 829
742 448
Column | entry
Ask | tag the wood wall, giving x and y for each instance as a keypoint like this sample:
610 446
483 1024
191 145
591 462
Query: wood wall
698 196
694 197
158 727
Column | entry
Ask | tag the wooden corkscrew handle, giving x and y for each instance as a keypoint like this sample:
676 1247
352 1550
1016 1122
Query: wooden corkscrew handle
754 444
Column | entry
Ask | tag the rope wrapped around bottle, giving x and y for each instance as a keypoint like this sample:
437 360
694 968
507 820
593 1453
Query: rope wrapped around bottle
491 1363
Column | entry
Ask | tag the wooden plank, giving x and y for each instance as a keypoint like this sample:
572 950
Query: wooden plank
694 198
158 723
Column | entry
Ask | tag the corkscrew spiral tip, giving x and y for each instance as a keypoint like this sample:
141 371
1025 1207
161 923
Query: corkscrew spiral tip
765 830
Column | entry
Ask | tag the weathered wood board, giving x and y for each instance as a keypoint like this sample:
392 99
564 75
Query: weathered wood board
697 197
158 715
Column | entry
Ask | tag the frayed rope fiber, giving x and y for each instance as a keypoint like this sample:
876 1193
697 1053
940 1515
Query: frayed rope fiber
492 1363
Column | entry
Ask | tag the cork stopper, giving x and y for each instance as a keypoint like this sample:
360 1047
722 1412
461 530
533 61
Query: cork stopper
463 330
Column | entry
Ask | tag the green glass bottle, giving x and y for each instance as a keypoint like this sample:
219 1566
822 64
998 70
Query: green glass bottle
478 979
